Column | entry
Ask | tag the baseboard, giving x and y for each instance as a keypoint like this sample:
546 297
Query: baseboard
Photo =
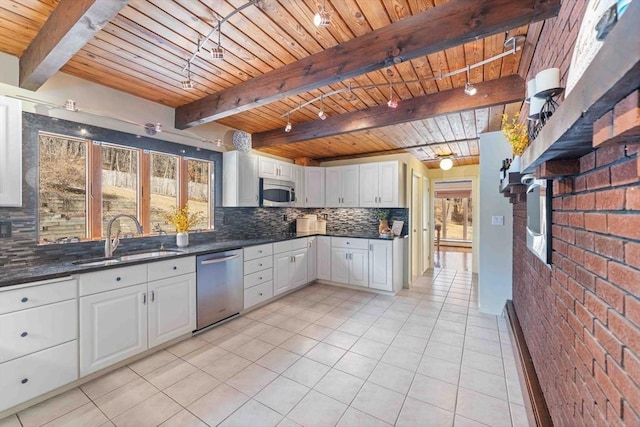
536 406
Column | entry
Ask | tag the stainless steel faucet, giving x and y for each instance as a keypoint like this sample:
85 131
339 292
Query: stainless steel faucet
111 246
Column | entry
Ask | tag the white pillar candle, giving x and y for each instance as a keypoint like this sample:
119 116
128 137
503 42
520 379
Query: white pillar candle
547 79
531 88
535 106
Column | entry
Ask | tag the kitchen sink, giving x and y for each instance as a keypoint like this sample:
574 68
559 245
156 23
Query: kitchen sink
96 262
150 254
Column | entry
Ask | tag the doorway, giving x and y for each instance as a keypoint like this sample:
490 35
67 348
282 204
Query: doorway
453 219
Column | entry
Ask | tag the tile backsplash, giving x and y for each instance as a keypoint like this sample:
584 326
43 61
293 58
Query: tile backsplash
22 248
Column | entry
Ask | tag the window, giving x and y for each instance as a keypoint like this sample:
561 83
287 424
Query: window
452 210
63 188
83 184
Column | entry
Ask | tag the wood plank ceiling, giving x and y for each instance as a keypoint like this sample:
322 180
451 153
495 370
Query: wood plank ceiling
144 49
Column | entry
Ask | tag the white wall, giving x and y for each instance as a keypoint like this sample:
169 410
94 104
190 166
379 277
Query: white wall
495 241
105 107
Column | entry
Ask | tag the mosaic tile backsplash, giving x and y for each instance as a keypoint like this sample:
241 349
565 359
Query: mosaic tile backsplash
22 247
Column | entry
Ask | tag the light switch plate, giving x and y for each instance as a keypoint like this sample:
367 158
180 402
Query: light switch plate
497 220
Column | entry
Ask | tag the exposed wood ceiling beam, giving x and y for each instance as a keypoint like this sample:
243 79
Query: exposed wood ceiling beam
399 150
71 25
434 30
493 92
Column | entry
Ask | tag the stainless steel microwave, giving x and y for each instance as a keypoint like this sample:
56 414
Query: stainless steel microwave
276 193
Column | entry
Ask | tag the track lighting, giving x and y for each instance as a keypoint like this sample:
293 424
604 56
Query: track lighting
469 89
322 19
321 113
392 103
188 84
217 52
287 128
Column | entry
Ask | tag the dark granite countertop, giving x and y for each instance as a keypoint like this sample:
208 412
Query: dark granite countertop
10 276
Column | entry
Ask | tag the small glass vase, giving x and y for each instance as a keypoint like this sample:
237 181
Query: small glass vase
182 240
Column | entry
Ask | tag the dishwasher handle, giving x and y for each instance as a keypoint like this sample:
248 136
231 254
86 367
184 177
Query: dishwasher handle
217 260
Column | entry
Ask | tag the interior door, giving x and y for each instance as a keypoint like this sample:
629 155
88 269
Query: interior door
426 224
416 232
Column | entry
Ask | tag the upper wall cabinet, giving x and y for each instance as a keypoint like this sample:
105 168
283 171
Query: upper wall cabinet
314 187
240 179
381 185
10 152
275 169
342 186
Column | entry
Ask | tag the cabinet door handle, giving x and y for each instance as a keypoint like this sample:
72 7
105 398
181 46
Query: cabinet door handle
25 299
24 334
346 255
370 247
153 296
144 298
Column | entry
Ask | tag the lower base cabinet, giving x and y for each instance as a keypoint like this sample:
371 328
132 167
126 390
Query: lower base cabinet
118 324
30 376
113 327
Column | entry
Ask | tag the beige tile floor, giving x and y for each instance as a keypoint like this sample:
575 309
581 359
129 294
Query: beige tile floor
322 356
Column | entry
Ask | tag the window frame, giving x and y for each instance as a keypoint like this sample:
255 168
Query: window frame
93 194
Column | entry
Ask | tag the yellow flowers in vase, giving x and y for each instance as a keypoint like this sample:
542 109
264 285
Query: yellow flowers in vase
182 219
516 133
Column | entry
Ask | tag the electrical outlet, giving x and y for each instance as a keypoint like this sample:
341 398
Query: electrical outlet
284 217
5 229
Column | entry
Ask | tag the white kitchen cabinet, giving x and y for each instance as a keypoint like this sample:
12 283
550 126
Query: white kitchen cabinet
113 327
240 185
350 261
11 149
275 169
38 339
298 179
381 185
385 265
314 190
341 186
172 308
258 274
135 314
289 265
324 257
38 373
312 258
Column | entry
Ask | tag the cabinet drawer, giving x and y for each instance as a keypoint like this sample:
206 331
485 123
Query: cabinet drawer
257 278
113 278
30 376
300 243
258 264
27 331
280 247
346 242
253 252
41 293
171 267
257 294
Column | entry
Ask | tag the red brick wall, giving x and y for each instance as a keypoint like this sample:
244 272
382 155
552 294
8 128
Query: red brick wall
581 316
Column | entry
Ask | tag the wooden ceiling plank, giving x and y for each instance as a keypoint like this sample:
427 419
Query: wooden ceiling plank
358 23
69 27
455 121
493 45
500 91
495 118
454 23
482 120
431 124
469 123
445 128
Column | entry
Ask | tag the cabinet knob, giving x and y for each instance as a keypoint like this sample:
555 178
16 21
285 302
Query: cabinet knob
118 279
259 265
24 334
175 268
25 380
25 299
260 293
260 252
259 278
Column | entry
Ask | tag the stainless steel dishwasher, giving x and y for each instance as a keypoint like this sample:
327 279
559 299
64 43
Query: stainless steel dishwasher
219 288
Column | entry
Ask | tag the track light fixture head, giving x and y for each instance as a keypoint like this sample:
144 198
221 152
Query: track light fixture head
287 128
187 84
322 19
393 102
469 89
321 113
70 105
217 52
152 128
